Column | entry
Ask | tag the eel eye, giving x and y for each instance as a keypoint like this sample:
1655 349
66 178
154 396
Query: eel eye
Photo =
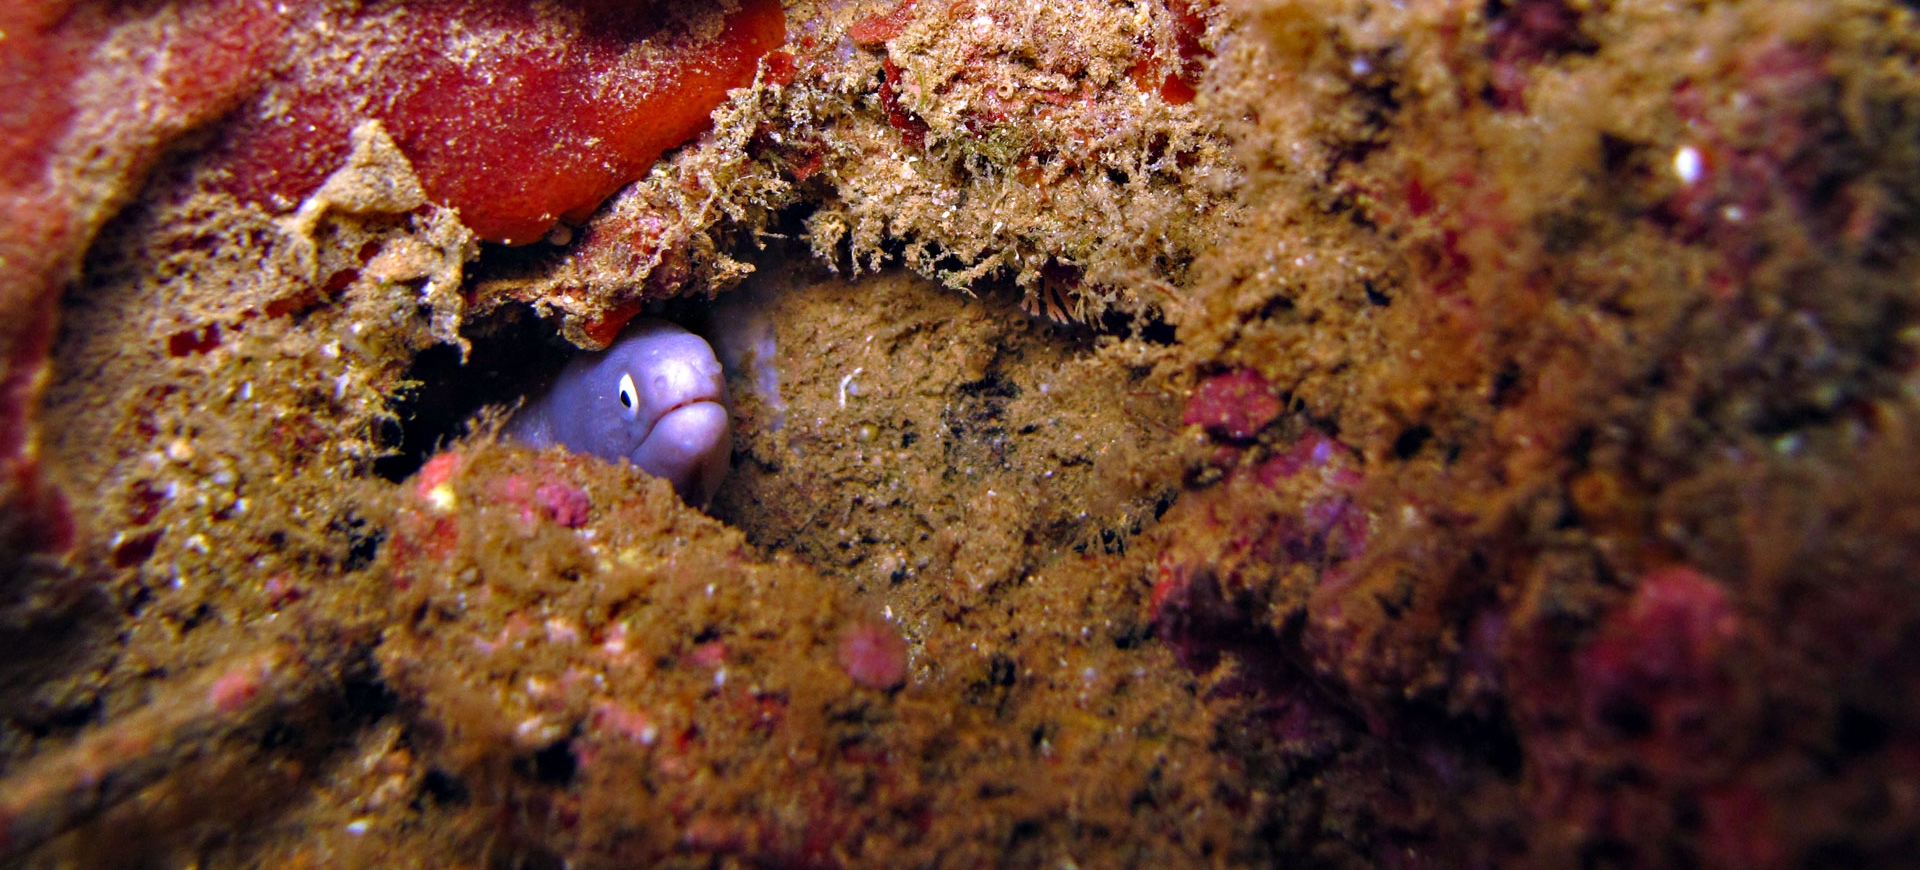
629 397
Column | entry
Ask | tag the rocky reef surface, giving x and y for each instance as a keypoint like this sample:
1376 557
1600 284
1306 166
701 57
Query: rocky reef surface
1166 433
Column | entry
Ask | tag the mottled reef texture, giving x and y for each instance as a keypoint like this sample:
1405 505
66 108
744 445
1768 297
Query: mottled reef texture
1168 433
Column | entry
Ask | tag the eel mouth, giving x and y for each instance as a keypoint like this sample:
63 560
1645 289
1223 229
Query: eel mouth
690 446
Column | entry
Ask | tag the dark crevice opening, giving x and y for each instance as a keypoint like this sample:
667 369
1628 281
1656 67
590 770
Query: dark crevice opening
510 357
512 354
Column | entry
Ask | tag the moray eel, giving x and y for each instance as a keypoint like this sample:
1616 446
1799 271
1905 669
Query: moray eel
655 397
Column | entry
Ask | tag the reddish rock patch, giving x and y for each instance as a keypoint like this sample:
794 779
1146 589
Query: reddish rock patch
517 114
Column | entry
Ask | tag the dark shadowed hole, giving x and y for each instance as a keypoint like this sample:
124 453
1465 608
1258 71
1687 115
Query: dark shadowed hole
1835 855
1128 634
279 735
363 541
1857 732
1000 671
1505 386
1628 718
554 765
1151 327
1606 854
365 697
61 720
538 859
512 356
1410 441
441 788
993 386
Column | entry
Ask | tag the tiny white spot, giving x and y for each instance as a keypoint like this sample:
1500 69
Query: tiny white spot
847 382
1734 214
1686 164
534 730
357 827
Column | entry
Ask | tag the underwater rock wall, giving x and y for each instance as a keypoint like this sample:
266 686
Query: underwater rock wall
1169 433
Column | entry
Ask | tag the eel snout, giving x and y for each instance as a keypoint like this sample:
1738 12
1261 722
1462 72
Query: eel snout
655 397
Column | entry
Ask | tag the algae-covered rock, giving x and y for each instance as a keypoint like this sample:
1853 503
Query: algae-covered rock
1167 433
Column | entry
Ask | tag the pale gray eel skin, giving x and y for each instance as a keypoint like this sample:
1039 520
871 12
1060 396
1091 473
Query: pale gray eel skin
656 397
